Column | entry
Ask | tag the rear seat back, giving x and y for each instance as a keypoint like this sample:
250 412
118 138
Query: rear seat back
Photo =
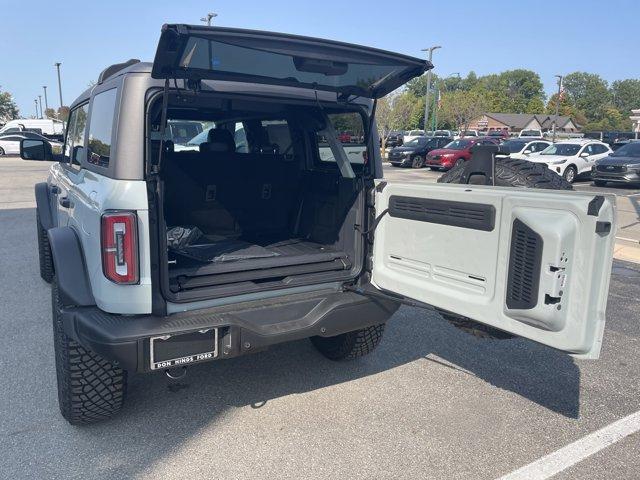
230 194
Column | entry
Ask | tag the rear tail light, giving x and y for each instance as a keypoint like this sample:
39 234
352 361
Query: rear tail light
120 247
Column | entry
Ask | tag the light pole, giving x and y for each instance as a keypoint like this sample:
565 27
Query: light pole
426 104
208 17
40 102
46 102
555 120
35 100
57 65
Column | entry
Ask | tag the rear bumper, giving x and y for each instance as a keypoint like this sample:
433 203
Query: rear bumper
243 328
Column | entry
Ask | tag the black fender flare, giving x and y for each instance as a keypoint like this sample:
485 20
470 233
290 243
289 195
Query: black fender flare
43 205
71 272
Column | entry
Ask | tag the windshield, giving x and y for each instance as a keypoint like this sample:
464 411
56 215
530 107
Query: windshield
417 142
514 145
628 150
568 149
530 133
459 144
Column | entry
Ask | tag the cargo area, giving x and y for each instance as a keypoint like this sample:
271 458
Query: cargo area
256 201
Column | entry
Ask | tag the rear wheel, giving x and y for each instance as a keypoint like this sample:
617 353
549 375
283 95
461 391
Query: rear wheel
350 345
44 252
509 173
570 174
90 389
417 162
1 151
459 162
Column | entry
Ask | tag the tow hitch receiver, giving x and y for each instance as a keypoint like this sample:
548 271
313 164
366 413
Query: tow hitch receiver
170 351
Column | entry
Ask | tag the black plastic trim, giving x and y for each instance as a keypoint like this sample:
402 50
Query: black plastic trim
525 264
69 265
251 325
43 205
475 216
595 205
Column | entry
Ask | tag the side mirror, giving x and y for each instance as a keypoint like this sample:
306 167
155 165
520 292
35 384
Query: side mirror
584 154
31 149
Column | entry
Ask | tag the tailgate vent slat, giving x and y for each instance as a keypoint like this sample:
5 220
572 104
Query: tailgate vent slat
444 212
525 259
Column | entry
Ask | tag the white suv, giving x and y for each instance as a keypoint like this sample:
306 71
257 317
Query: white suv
572 158
271 231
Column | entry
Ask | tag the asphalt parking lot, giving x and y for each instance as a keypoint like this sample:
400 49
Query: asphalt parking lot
431 402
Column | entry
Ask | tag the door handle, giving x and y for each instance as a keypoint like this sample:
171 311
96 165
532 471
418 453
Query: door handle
65 202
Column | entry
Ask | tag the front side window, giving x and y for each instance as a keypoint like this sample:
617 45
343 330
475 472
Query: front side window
74 143
459 144
568 149
100 128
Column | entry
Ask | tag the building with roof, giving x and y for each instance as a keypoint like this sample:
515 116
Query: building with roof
635 118
515 122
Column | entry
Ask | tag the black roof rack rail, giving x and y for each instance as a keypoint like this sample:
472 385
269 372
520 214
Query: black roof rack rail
115 68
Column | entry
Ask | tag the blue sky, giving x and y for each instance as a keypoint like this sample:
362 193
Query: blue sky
485 36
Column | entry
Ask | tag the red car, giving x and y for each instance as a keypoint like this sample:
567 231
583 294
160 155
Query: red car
455 152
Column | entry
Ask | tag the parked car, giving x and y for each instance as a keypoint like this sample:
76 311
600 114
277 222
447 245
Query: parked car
619 143
10 143
413 153
572 158
620 166
469 133
455 152
531 133
394 139
443 133
500 135
411 134
522 148
289 244
47 127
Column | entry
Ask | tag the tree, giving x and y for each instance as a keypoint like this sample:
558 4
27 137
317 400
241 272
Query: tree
588 92
8 108
513 91
459 108
626 95
63 113
49 113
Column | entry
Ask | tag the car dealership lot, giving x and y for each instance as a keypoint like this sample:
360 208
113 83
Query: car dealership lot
431 402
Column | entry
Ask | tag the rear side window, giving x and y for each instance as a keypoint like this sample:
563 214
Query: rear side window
74 144
350 130
101 128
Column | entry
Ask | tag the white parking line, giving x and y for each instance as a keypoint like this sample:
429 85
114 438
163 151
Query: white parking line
556 462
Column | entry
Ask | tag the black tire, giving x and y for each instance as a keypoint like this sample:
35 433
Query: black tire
1 151
44 252
599 183
509 173
351 345
90 389
570 174
516 173
459 162
417 162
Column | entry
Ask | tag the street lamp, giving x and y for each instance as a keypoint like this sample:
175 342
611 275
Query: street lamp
35 100
555 120
40 101
46 102
426 105
57 65
208 17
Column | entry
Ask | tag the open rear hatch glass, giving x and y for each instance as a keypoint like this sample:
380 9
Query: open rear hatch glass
201 53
